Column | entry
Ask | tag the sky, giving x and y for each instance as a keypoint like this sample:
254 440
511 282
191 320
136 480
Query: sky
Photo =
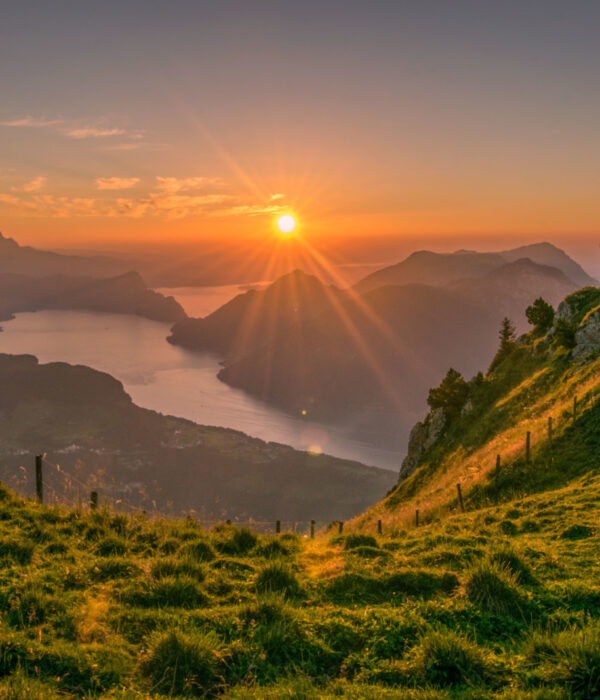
146 122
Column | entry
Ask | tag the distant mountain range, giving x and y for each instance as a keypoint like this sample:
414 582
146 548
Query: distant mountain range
35 280
369 354
17 259
124 294
88 425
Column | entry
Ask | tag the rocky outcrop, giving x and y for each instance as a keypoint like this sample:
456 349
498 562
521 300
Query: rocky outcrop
422 437
587 336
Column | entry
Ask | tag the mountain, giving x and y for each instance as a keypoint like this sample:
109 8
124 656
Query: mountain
32 262
550 375
257 317
548 254
377 354
440 269
125 294
86 423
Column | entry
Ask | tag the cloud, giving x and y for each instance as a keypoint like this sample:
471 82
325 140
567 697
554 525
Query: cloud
87 132
116 183
31 185
34 185
35 122
185 184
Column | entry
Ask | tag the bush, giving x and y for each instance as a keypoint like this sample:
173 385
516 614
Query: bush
179 664
492 588
445 658
277 578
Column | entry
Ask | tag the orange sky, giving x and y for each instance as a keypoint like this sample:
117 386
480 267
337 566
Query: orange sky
188 122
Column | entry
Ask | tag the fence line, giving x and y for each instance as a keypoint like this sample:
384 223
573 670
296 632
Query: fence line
298 526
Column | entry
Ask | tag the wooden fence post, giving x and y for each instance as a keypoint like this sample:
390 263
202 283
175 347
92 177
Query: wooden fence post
312 529
528 447
39 484
340 527
94 500
460 498
417 517
277 526
379 527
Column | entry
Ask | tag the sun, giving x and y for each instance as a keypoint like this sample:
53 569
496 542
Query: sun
286 223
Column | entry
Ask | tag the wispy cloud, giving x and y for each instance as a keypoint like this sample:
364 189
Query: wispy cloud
35 122
94 132
116 183
37 183
186 184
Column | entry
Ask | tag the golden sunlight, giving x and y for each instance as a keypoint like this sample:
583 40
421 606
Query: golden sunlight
286 223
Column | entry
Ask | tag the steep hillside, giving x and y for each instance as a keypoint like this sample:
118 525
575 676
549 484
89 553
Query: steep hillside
501 604
550 374
126 294
88 425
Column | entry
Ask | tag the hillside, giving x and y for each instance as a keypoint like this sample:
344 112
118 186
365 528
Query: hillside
439 269
125 294
539 379
502 603
88 425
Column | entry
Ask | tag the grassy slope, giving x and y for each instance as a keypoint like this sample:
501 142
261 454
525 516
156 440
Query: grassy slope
536 382
503 602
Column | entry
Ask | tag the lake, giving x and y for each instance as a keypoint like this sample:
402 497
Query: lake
172 380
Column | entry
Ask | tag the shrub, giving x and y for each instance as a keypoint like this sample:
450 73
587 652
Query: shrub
507 527
445 658
277 578
179 664
492 588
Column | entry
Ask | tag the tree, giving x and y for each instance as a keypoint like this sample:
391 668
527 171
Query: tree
451 394
540 315
564 334
508 342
